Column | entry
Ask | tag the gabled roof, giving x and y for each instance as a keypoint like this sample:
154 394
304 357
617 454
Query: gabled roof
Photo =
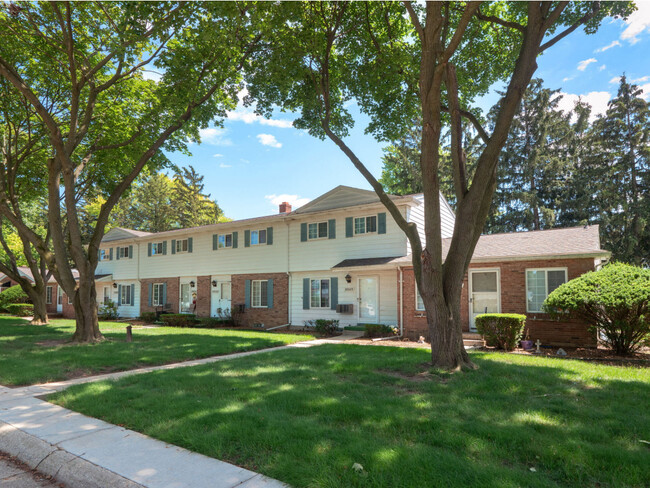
364 262
27 273
346 196
119 233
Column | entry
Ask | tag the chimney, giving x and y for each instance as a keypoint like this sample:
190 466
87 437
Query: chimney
285 207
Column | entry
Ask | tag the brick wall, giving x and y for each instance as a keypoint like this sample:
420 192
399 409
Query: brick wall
68 308
203 296
513 300
51 307
278 314
173 297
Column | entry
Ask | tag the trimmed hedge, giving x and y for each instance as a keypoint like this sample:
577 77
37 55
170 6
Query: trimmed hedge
614 301
378 330
179 319
148 317
324 327
213 322
21 309
502 330
13 294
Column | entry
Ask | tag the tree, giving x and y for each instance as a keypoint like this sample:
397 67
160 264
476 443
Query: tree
79 67
192 206
397 61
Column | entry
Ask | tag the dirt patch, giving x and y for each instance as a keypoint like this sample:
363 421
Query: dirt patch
601 355
390 343
423 376
55 342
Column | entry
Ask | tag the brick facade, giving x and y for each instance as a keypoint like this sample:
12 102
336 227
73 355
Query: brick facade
68 308
513 300
173 297
51 307
203 296
278 314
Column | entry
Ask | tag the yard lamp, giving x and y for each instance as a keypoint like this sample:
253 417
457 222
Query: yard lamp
348 278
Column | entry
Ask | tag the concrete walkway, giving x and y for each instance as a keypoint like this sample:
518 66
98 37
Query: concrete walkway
85 452
14 474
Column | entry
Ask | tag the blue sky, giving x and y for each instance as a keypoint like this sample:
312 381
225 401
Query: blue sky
253 164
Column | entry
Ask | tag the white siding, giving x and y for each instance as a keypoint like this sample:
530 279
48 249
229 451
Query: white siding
447 219
126 311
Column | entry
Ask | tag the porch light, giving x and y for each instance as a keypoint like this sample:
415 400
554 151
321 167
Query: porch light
348 278
214 283
114 285
191 284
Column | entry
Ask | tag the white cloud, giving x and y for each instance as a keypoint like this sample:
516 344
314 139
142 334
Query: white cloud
597 99
646 91
224 165
151 75
567 78
249 117
245 161
269 140
637 23
217 155
640 80
214 137
602 67
615 80
582 65
294 200
609 46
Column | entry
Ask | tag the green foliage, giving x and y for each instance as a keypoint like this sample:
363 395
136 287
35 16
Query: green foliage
503 330
214 322
379 330
20 309
193 207
614 301
108 311
13 294
148 317
179 319
324 327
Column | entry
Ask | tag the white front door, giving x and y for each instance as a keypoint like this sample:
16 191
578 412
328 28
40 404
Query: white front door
368 300
59 299
186 298
484 296
221 298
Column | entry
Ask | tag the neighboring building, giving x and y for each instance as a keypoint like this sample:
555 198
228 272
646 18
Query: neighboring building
342 257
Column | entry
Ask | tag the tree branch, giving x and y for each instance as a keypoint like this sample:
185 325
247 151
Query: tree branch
414 20
496 20
583 20
475 122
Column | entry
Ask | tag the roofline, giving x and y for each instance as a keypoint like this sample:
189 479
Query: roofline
538 257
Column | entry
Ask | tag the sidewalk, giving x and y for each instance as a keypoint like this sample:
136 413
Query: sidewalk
14 474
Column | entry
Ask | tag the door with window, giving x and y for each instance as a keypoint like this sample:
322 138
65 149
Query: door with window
368 299
186 298
223 299
59 299
484 296
107 295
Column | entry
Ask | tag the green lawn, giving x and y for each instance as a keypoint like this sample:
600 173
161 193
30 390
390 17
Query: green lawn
305 416
23 361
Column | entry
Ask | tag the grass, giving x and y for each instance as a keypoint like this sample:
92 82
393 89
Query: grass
23 361
305 416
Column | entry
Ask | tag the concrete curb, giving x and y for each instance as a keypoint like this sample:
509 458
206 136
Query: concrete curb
63 466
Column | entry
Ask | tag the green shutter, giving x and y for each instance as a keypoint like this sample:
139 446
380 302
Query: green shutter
110 255
247 238
303 232
269 293
381 223
331 224
150 294
132 295
215 242
189 244
334 293
269 236
234 239
117 253
149 249
164 297
349 227
173 246
305 294
130 252
164 247
119 294
247 294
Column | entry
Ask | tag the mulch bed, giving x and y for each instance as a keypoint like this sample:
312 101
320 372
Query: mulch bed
601 355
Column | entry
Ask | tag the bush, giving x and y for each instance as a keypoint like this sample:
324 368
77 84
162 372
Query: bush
324 327
502 330
148 317
179 319
21 309
108 311
213 322
614 301
379 330
13 294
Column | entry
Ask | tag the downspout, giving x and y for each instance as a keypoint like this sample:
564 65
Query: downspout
289 279
401 301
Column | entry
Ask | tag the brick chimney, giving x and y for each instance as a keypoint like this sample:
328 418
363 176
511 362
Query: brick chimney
285 207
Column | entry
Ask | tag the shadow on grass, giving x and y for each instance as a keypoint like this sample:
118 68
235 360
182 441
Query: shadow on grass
305 416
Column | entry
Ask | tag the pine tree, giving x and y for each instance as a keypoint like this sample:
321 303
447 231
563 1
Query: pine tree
192 206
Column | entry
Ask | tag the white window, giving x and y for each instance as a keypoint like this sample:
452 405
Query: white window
158 295
126 295
259 293
104 255
320 293
258 237
181 245
317 230
540 283
225 240
156 248
69 300
48 295
107 295
123 252
419 303
59 296
365 225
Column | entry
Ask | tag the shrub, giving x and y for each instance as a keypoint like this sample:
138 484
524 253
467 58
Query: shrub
213 322
502 330
148 317
21 309
614 300
379 330
108 311
179 319
13 294
324 327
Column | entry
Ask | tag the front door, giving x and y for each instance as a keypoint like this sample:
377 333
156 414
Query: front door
59 299
186 298
484 293
368 300
221 298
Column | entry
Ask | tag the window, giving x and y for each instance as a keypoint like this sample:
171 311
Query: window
104 255
126 295
540 283
365 225
317 230
320 294
48 295
59 296
123 252
69 300
225 240
258 237
259 292
156 248
419 303
158 294
107 295
181 245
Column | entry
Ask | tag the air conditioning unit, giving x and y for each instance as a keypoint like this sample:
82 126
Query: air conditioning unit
346 308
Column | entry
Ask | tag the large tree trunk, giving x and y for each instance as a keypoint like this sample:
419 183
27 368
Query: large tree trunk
40 307
85 308
445 328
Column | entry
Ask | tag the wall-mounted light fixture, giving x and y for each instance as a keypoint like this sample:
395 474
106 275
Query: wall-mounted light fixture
214 283
348 278
114 285
191 284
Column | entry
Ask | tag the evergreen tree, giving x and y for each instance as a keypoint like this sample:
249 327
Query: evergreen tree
192 206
